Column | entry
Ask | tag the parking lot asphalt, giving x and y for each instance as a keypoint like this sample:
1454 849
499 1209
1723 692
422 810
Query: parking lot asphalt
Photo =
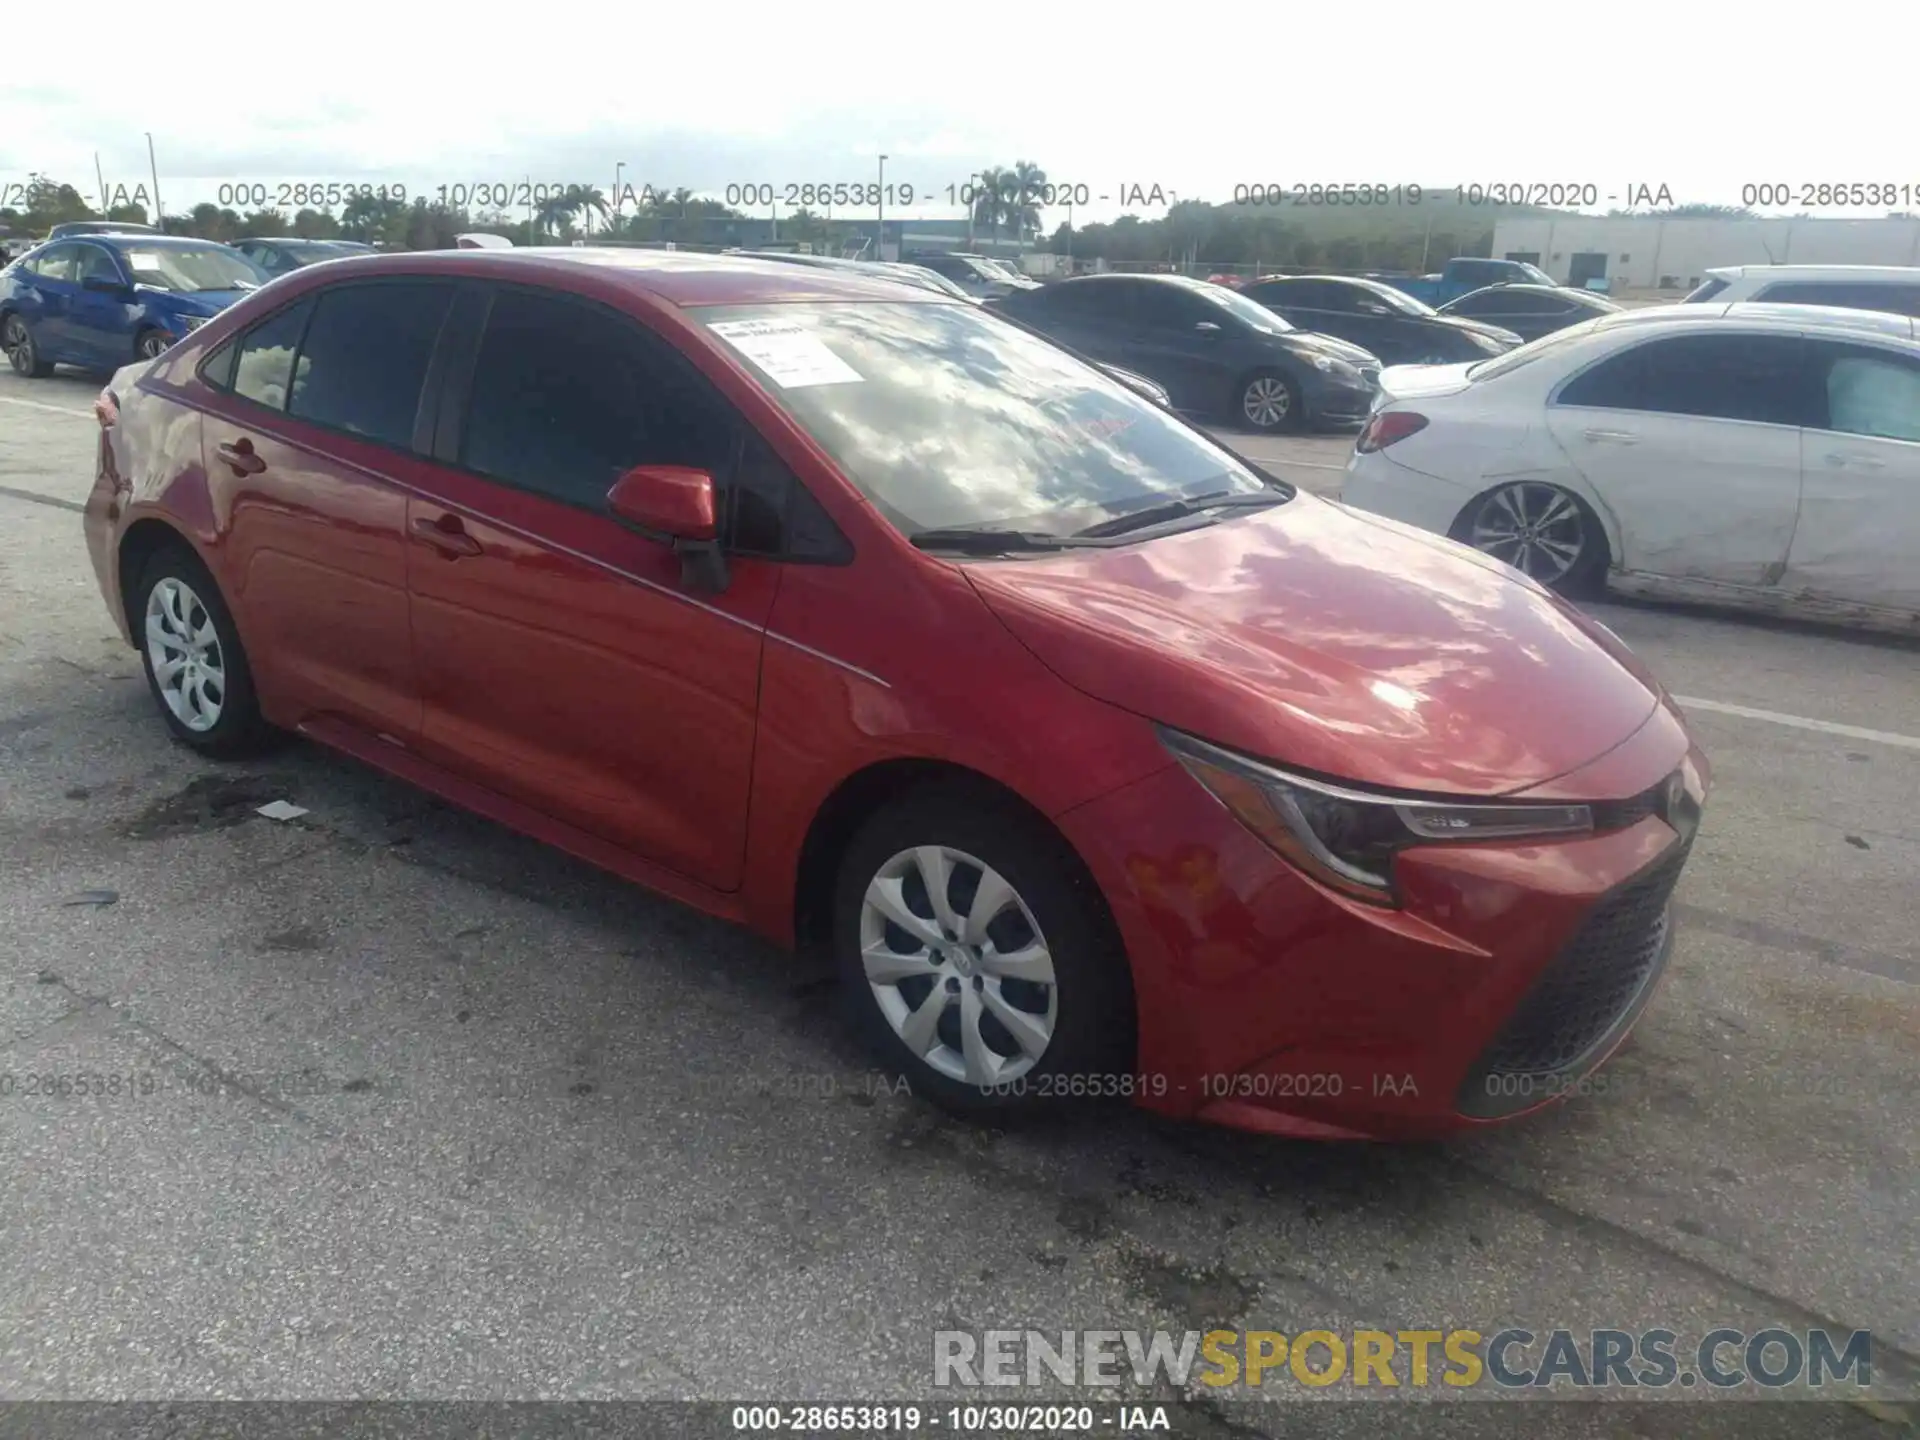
421 1109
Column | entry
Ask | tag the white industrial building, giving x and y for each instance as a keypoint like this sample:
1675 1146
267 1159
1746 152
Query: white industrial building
1645 252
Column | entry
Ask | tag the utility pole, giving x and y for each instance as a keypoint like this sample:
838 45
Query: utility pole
153 166
100 175
880 225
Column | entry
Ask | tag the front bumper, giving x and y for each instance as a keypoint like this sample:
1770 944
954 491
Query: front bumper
1329 403
1507 976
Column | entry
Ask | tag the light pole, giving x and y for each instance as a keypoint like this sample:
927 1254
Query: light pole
618 166
153 168
880 225
101 176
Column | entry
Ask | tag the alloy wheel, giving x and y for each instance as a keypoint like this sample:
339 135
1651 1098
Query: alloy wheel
183 647
18 344
1537 529
1267 401
152 345
958 966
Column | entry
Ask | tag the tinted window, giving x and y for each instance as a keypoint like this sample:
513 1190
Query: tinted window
1163 307
265 365
567 398
218 369
365 358
1899 299
1869 392
95 263
1305 294
54 264
944 416
1725 377
1093 297
1525 302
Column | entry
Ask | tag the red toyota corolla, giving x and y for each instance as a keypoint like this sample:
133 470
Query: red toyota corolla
1104 763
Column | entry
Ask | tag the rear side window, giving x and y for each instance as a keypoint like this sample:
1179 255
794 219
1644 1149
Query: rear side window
365 357
54 264
1854 295
1761 378
264 369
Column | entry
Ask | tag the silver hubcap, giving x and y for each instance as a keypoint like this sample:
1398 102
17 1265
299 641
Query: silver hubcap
150 346
1267 401
184 650
1537 529
958 965
18 343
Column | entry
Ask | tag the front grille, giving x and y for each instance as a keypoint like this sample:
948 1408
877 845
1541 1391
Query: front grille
1591 991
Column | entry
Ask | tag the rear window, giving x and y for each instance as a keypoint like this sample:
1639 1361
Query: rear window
1705 292
1526 354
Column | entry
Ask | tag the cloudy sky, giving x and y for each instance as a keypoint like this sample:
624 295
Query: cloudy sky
1193 100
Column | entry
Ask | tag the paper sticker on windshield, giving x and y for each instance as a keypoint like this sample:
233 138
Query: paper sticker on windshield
143 260
790 355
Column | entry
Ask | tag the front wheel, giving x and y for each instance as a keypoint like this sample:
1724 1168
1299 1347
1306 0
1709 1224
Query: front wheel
1270 402
1543 531
977 959
22 350
151 345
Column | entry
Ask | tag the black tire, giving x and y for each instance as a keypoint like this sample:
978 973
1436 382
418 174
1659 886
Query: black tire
1090 1052
22 350
1295 417
150 345
240 729
1586 577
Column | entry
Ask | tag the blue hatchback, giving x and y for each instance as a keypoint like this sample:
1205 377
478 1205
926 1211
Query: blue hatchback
103 301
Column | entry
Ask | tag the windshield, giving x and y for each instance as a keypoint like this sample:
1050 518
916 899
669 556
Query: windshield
946 417
189 269
1250 311
1535 274
1526 354
998 269
1398 299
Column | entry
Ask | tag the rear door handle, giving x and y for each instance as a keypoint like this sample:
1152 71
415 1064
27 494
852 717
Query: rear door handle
1864 462
238 454
1615 437
447 535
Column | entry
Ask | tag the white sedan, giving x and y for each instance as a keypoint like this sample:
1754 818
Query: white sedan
1762 456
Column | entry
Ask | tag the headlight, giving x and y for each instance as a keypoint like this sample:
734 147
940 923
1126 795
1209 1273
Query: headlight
1328 365
1346 838
191 323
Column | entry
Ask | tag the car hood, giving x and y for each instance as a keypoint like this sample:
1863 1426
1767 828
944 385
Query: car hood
1312 342
1319 638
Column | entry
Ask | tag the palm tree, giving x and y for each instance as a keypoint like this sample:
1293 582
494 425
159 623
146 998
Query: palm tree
992 199
1029 184
586 200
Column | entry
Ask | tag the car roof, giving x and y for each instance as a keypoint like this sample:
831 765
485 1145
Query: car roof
1824 319
679 277
1907 274
149 242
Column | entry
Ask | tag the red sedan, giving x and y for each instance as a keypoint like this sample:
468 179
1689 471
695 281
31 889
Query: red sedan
1103 762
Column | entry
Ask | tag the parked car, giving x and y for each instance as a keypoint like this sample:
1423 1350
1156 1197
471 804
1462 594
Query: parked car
881 626
1529 311
1213 350
918 275
976 274
1378 318
1894 288
277 254
98 227
100 300
482 240
1464 274
1759 455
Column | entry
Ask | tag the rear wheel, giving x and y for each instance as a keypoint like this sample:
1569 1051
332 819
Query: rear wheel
22 351
1545 532
150 345
191 651
977 959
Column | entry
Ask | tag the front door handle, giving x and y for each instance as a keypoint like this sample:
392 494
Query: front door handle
447 535
1615 437
239 456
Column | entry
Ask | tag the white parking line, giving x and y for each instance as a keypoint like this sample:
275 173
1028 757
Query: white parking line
1801 722
53 409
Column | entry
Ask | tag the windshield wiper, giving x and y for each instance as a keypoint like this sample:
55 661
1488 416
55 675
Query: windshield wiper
1180 509
998 542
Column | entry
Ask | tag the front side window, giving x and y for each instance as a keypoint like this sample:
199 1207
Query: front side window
191 269
95 264
1870 392
54 264
365 358
944 416
1760 378
264 368
567 398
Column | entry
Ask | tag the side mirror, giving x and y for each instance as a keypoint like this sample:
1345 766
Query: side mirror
105 285
676 504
